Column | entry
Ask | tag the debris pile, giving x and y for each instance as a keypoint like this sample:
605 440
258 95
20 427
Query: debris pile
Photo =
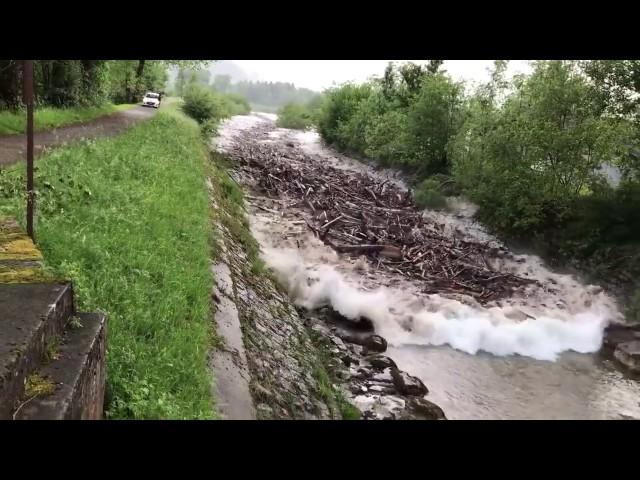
357 214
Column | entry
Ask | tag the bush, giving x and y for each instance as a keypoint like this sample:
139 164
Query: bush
528 161
295 115
447 185
236 104
203 105
429 195
337 121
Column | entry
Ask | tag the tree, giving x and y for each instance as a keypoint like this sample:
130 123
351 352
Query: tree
433 118
616 83
528 161
434 65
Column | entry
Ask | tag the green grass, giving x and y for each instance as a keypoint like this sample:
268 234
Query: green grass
47 117
127 219
334 399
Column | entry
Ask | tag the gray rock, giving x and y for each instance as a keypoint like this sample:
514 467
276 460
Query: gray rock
322 410
426 409
628 354
363 374
261 392
333 364
264 411
381 362
349 360
616 334
408 384
375 343
338 342
383 377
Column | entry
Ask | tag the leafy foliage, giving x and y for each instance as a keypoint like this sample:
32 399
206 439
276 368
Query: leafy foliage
202 104
72 83
297 116
405 119
528 161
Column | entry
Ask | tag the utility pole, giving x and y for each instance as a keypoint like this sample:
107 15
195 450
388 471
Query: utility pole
27 76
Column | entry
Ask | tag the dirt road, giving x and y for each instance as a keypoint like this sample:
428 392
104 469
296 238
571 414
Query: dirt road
13 147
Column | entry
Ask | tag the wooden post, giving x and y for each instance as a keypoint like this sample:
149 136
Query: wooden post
28 100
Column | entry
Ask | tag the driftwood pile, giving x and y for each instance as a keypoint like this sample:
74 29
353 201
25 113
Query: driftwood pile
358 215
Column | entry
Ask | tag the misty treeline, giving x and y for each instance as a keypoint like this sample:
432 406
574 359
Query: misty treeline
530 151
71 83
264 96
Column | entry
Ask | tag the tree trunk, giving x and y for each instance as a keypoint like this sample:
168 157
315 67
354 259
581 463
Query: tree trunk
138 82
140 69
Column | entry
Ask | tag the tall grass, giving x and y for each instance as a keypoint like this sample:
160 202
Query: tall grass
127 219
48 117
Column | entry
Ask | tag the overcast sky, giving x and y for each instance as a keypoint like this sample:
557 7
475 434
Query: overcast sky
320 74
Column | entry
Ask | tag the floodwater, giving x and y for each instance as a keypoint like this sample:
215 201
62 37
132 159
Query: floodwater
534 356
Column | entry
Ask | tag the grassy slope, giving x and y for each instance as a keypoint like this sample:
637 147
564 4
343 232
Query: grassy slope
128 220
47 117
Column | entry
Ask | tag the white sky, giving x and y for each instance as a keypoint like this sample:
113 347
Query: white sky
320 74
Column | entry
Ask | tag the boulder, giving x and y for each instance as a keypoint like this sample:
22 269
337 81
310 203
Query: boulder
381 362
408 384
424 409
616 334
628 354
371 343
375 343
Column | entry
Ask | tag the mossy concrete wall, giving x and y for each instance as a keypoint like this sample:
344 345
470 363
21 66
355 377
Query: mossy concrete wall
20 259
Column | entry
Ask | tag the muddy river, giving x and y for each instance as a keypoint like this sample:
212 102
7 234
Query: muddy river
534 356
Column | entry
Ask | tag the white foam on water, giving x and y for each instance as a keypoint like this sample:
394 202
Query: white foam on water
406 317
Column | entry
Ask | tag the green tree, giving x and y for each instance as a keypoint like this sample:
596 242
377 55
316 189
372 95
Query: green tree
617 85
434 65
528 161
433 118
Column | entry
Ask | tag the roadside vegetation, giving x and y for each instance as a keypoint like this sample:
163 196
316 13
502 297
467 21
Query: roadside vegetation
529 151
127 219
209 107
14 122
72 91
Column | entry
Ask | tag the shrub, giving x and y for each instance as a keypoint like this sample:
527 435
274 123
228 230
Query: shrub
202 104
447 185
428 195
336 121
295 115
236 104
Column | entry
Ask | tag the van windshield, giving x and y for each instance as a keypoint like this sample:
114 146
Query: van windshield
151 95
